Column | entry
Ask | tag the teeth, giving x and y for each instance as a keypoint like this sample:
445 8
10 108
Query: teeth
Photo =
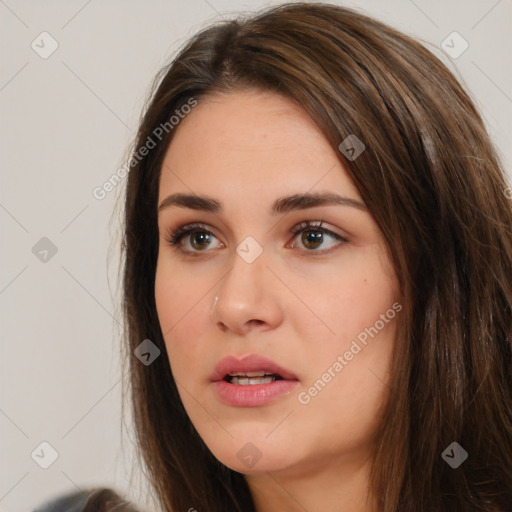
259 373
249 381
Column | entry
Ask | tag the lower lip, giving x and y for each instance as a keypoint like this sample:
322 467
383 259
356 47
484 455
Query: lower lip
252 395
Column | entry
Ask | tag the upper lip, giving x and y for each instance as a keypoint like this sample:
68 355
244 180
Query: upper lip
250 363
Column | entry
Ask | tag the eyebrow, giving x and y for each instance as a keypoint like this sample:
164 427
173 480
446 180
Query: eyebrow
282 205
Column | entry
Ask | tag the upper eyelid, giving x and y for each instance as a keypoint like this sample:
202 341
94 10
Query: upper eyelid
294 230
304 226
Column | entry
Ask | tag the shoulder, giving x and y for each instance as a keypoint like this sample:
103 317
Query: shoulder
74 502
92 500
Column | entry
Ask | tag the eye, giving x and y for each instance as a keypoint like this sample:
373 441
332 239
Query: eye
192 238
197 238
313 236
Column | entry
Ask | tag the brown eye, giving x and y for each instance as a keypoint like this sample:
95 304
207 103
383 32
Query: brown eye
192 238
312 239
199 239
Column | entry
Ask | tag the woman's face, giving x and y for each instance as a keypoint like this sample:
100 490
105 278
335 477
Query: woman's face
316 306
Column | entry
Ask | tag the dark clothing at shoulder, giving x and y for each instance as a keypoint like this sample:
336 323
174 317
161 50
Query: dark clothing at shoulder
74 502
92 500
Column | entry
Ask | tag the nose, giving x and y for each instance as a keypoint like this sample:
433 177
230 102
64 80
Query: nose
248 298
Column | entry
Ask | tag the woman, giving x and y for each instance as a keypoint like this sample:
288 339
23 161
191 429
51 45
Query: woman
318 257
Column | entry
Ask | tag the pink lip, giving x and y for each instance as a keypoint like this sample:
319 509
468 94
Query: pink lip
250 363
251 395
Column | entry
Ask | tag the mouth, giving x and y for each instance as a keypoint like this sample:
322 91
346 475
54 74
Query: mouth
252 378
252 381
250 370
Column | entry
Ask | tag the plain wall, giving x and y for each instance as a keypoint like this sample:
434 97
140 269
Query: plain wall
65 124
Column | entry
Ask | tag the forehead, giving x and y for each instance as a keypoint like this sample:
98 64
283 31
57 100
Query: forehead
250 141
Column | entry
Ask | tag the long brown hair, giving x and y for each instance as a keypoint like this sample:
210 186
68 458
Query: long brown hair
432 181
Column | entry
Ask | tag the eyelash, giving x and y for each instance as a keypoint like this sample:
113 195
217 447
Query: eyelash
174 238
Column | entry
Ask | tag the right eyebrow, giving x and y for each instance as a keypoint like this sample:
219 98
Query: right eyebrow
193 202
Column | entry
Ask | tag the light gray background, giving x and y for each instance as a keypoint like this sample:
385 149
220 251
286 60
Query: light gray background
65 123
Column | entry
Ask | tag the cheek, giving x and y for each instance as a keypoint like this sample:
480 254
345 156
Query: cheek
182 308
351 327
349 298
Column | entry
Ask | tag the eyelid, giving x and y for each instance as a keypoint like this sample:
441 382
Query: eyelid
318 225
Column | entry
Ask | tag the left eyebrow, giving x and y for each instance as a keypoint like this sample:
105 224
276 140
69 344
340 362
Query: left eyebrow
282 205
312 200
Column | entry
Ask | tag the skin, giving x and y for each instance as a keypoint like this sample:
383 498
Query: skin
293 304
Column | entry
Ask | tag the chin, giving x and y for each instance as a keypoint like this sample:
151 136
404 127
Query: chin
252 458
262 466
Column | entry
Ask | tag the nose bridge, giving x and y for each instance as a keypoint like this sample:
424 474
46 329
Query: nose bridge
244 295
246 272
